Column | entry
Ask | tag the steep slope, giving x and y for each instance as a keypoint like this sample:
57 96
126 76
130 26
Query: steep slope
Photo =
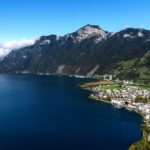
72 52
88 51
125 45
137 69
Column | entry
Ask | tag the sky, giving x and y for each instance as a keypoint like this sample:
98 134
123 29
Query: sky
29 19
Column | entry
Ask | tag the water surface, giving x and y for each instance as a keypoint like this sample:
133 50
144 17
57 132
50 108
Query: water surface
52 113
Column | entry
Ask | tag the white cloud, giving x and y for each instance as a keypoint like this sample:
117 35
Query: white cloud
7 47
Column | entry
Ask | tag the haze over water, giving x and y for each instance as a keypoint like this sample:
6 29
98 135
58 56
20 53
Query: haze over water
53 113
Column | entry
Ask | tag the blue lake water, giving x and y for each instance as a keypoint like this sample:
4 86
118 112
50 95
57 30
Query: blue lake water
52 113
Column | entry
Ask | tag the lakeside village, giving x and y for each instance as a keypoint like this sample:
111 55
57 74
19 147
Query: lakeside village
123 94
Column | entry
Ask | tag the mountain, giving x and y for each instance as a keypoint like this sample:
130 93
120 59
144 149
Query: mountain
88 51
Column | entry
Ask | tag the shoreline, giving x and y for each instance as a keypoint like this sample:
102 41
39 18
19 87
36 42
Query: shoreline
105 101
143 123
91 97
51 74
108 102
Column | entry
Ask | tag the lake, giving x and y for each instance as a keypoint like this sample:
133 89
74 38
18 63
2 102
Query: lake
53 113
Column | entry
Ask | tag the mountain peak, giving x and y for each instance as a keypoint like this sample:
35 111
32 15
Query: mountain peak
89 31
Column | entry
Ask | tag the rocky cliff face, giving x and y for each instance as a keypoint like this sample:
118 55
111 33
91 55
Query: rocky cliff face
88 51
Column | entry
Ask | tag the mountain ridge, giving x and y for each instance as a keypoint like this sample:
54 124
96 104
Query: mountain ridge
88 51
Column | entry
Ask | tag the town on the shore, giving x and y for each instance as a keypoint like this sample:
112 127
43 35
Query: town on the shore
123 94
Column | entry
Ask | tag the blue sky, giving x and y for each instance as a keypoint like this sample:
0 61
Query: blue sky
32 18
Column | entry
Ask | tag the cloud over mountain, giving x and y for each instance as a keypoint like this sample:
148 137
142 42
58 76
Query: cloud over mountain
7 47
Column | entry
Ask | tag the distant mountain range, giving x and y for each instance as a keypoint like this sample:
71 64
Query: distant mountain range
89 51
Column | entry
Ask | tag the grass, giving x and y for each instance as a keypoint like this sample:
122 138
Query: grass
143 86
141 145
112 87
103 84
